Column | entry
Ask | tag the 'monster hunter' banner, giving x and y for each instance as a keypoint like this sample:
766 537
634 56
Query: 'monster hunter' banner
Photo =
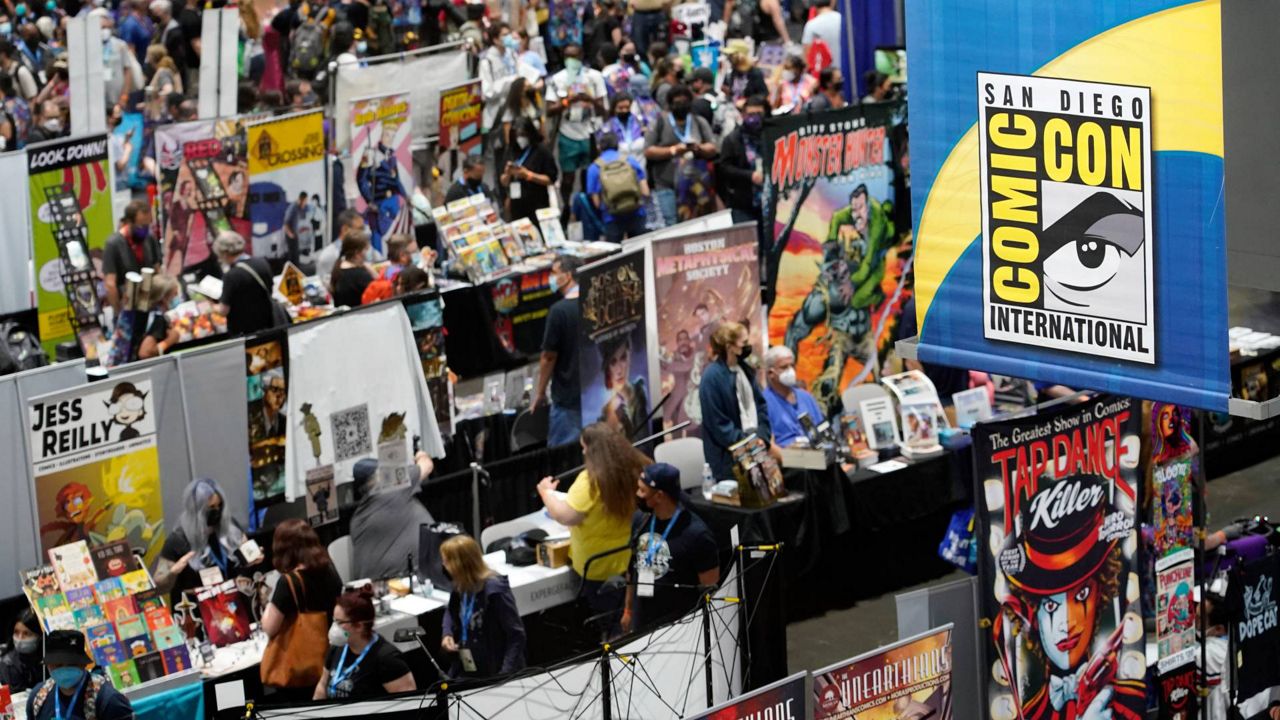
1066 234
1059 574
1067 188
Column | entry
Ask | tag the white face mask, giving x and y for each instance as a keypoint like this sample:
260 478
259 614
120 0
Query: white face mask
522 141
788 377
337 636
788 76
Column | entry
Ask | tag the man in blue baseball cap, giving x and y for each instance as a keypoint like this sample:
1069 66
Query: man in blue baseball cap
674 554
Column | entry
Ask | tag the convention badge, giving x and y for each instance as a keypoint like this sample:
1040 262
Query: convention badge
514 191
251 552
210 576
644 585
468 662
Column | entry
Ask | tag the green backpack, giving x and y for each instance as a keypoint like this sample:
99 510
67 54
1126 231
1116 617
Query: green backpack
619 187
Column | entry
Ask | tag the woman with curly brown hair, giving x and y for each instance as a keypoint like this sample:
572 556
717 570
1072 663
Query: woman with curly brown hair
597 509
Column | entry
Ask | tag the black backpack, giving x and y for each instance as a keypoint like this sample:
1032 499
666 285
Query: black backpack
19 349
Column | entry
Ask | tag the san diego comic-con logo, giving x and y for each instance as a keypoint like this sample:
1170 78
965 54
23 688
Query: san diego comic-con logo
1066 215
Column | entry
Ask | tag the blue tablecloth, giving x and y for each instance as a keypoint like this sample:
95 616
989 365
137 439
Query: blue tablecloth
183 702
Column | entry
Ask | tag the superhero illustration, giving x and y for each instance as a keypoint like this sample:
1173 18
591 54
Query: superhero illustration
378 178
1066 635
76 515
381 175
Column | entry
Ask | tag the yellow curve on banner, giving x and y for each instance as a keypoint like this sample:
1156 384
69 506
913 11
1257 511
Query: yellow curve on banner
1176 52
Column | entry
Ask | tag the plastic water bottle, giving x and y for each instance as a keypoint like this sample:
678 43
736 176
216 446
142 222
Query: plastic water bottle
708 481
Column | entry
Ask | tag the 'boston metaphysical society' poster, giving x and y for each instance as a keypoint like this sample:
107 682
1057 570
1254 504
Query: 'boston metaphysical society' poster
908 679
613 363
837 265
96 466
701 281
381 165
1059 576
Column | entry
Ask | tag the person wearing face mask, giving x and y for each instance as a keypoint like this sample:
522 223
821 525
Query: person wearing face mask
576 96
349 223
530 174
740 171
22 667
795 86
121 72
71 692
48 124
732 404
481 624
499 66
677 135
129 250
360 664
830 95
745 79
246 286
626 126
879 87
206 537
402 254
471 182
11 63
785 398
559 358
161 334
674 556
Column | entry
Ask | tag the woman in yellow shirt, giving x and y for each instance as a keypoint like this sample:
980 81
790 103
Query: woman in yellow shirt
597 510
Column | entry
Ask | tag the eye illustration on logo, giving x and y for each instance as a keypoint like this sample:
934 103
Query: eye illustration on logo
1094 260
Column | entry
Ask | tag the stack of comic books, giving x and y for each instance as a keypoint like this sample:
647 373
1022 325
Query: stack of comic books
107 594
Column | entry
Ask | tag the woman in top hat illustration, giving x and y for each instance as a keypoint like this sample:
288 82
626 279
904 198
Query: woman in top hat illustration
1063 580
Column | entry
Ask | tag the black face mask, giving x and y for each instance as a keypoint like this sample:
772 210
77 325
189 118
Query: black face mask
624 117
746 352
680 109
628 58
213 517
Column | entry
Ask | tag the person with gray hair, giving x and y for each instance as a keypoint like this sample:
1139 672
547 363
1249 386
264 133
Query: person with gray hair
382 543
786 399
206 537
246 286
268 419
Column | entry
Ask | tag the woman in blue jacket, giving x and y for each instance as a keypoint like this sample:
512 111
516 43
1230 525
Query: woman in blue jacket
732 405
481 624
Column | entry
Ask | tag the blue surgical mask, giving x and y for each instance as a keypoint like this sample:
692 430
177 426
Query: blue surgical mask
362 47
555 283
175 302
6 29
573 65
67 678
512 42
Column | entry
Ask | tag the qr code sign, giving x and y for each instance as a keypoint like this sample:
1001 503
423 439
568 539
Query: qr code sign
351 433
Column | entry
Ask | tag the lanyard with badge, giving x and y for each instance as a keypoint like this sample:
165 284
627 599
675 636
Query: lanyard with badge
514 190
57 701
688 127
339 674
645 579
468 608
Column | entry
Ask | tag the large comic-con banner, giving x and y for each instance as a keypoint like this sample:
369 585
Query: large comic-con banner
782 700
1067 191
908 679
266 362
287 186
204 189
700 281
96 465
613 360
1058 575
381 167
70 200
837 267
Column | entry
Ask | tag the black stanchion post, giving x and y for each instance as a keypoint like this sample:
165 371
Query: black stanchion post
744 627
706 642
605 695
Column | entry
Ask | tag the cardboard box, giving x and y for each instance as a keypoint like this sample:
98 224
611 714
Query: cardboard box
553 554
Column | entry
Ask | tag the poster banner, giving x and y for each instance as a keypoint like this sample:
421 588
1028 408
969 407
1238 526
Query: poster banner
1067 190
424 74
460 109
334 421
701 280
96 465
521 303
836 269
69 195
783 700
1175 609
1178 696
908 679
203 189
286 161
1059 574
380 170
132 130
267 392
613 360
1175 472
426 318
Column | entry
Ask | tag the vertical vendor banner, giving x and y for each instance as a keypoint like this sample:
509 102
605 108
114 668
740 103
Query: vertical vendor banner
908 679
286 186
837 255
1175 478
700 280
69 196
1068 190
613 361
1058 576
266 363
96 466
460 109
380 171
785 699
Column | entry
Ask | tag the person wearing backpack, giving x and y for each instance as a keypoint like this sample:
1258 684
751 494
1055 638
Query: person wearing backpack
71 692
307 48
678 139
618 189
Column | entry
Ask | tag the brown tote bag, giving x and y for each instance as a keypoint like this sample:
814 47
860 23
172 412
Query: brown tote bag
295 657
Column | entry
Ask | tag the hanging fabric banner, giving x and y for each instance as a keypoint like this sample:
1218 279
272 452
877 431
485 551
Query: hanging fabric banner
287 186
613 362
380 170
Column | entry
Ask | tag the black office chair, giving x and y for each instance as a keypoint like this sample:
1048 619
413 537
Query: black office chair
602 621
529 430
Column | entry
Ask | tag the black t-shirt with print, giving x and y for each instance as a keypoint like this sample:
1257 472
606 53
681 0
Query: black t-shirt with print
382 664
689 550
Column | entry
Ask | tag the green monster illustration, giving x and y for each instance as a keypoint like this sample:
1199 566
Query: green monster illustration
392 428
311 426
847 290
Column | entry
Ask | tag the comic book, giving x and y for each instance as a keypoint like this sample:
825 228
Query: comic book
108 590
114 560
149 666
123 674
225 613
137 645
176 659
137 581
129 626
171 636
73 565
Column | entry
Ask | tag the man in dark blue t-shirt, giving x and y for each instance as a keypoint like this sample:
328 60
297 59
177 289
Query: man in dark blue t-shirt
674 554
559 362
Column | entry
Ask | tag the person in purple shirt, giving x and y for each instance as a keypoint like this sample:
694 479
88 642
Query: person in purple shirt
786 400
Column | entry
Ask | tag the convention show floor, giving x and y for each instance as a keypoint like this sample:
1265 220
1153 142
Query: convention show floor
841 634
